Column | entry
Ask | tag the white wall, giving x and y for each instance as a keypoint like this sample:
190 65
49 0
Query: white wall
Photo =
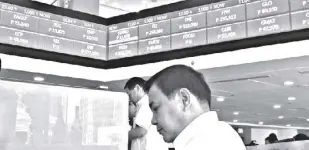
286 133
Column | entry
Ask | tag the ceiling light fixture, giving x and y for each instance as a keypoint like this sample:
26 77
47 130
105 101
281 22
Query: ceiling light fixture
235 120
144 2
277 106
281 117
236 113
39 79
308 120
292 98
261 123
220 99
288 125
240 130
103 87
288 83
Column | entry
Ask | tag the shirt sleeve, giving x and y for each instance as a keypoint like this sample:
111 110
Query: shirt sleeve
144 117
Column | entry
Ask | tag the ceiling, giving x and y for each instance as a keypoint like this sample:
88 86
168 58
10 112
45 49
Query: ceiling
112 8
48 79
253 90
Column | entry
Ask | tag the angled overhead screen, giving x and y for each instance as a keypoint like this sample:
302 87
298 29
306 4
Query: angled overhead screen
153 35
46 31
207 24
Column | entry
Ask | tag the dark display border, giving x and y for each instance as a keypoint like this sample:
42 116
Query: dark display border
150 58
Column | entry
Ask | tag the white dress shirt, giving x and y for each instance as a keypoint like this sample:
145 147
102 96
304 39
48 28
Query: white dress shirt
152 140
208 133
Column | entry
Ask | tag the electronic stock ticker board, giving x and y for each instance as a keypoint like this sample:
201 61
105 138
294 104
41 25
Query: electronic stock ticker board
207 24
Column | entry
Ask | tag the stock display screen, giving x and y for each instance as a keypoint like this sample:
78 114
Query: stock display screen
45 31
208 24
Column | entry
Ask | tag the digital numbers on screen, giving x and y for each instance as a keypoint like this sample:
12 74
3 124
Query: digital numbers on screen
207 24
57 28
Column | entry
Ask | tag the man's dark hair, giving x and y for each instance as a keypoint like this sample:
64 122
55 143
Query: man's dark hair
131 83
181 76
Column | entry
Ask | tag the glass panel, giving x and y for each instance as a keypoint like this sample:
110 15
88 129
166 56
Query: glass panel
37 115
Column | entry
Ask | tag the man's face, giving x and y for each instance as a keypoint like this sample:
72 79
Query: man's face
132 95
166 114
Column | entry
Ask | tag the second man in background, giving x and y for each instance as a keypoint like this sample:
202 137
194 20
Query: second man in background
143 135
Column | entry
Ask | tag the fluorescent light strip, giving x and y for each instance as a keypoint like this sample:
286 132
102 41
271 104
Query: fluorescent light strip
251 55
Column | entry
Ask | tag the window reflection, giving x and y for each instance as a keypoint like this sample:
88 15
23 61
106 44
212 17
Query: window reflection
33 114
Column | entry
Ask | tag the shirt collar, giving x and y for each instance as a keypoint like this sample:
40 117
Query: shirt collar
194 127
144 100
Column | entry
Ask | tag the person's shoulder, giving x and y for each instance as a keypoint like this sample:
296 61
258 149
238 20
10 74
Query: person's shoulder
225 125
231 135
227 130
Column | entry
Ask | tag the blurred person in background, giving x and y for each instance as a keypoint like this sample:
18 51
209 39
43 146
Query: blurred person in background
267 140
143 134
272 138
252 143
132 114
180 101
300 137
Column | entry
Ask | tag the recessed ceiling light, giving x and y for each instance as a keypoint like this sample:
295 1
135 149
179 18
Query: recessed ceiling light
281 117
235 120
103 87
292 98
288 83
308 120
39 79
220 99
288 125
236 113
144 2
277 106
240 130
261 123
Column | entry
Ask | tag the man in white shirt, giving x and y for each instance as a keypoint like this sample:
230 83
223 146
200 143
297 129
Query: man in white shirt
143 135
132 114
180 101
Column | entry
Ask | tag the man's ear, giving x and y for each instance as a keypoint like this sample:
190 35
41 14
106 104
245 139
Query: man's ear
138 88
185 98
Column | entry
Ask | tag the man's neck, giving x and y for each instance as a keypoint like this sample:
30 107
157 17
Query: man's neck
188 120
141 97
